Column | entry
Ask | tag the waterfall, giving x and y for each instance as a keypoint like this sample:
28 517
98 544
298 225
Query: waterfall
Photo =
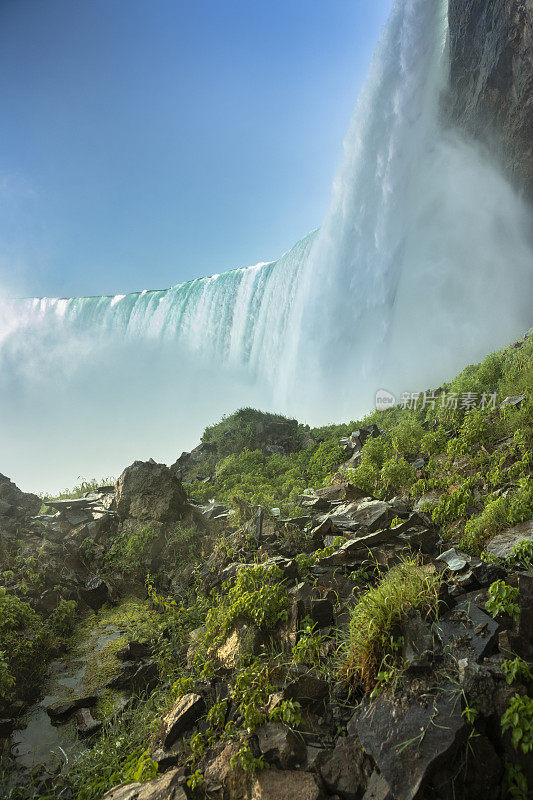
422 264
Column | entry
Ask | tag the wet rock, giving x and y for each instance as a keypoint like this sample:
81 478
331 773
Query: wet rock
346 770
182 716
280 746
467 631
167 787
502 544
408 739
136 676
64 709
86 722
95 593
149 491
242 642
273 784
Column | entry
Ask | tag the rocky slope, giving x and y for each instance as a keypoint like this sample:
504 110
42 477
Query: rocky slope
491 58
351 650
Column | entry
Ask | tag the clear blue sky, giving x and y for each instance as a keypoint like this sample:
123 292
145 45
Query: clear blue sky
147 142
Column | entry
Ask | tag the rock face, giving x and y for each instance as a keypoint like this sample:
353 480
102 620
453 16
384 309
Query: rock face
182 716
149 491
491 79
17 504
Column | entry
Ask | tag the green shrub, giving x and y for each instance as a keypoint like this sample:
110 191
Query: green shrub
503 599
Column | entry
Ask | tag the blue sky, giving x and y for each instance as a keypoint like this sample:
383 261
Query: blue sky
147 142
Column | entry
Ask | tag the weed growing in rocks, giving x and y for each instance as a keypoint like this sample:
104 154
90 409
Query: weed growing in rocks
378 611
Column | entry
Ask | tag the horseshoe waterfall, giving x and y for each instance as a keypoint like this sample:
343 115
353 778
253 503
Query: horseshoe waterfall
422 264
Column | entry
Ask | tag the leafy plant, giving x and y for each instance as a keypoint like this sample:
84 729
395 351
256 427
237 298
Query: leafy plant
517 668
518 720
503 599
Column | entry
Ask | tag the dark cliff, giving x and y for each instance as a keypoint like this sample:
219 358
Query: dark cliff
491 61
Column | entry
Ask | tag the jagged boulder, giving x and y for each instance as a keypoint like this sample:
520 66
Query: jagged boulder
346 769
16 504
408 739
182 716
149 491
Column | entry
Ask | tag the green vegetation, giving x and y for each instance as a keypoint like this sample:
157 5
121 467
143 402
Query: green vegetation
407 587
515 669
503 599
26 642
518 720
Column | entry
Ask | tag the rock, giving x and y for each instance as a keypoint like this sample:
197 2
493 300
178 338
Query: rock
454 561
378 788
280 746
408 739
136 676
167 787
182 716
307 688
149 491
515 401
95 593
478 685
467 631
134 651
242 642
64 709
273 784
322 612
188 463
525 623
86 722
491 63
502 544
218 772
418 643
16 503
346 769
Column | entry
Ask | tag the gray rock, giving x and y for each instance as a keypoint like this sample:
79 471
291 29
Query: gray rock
167 787
149 491
418 643
322 612
86 722
454 561
181 717
281 746
502 544
64 709
378 788
408 739
345 770
467 631
16 503
491 63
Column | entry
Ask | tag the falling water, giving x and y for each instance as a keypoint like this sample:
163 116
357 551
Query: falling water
422 264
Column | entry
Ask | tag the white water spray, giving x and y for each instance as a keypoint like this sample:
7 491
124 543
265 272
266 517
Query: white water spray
423 264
